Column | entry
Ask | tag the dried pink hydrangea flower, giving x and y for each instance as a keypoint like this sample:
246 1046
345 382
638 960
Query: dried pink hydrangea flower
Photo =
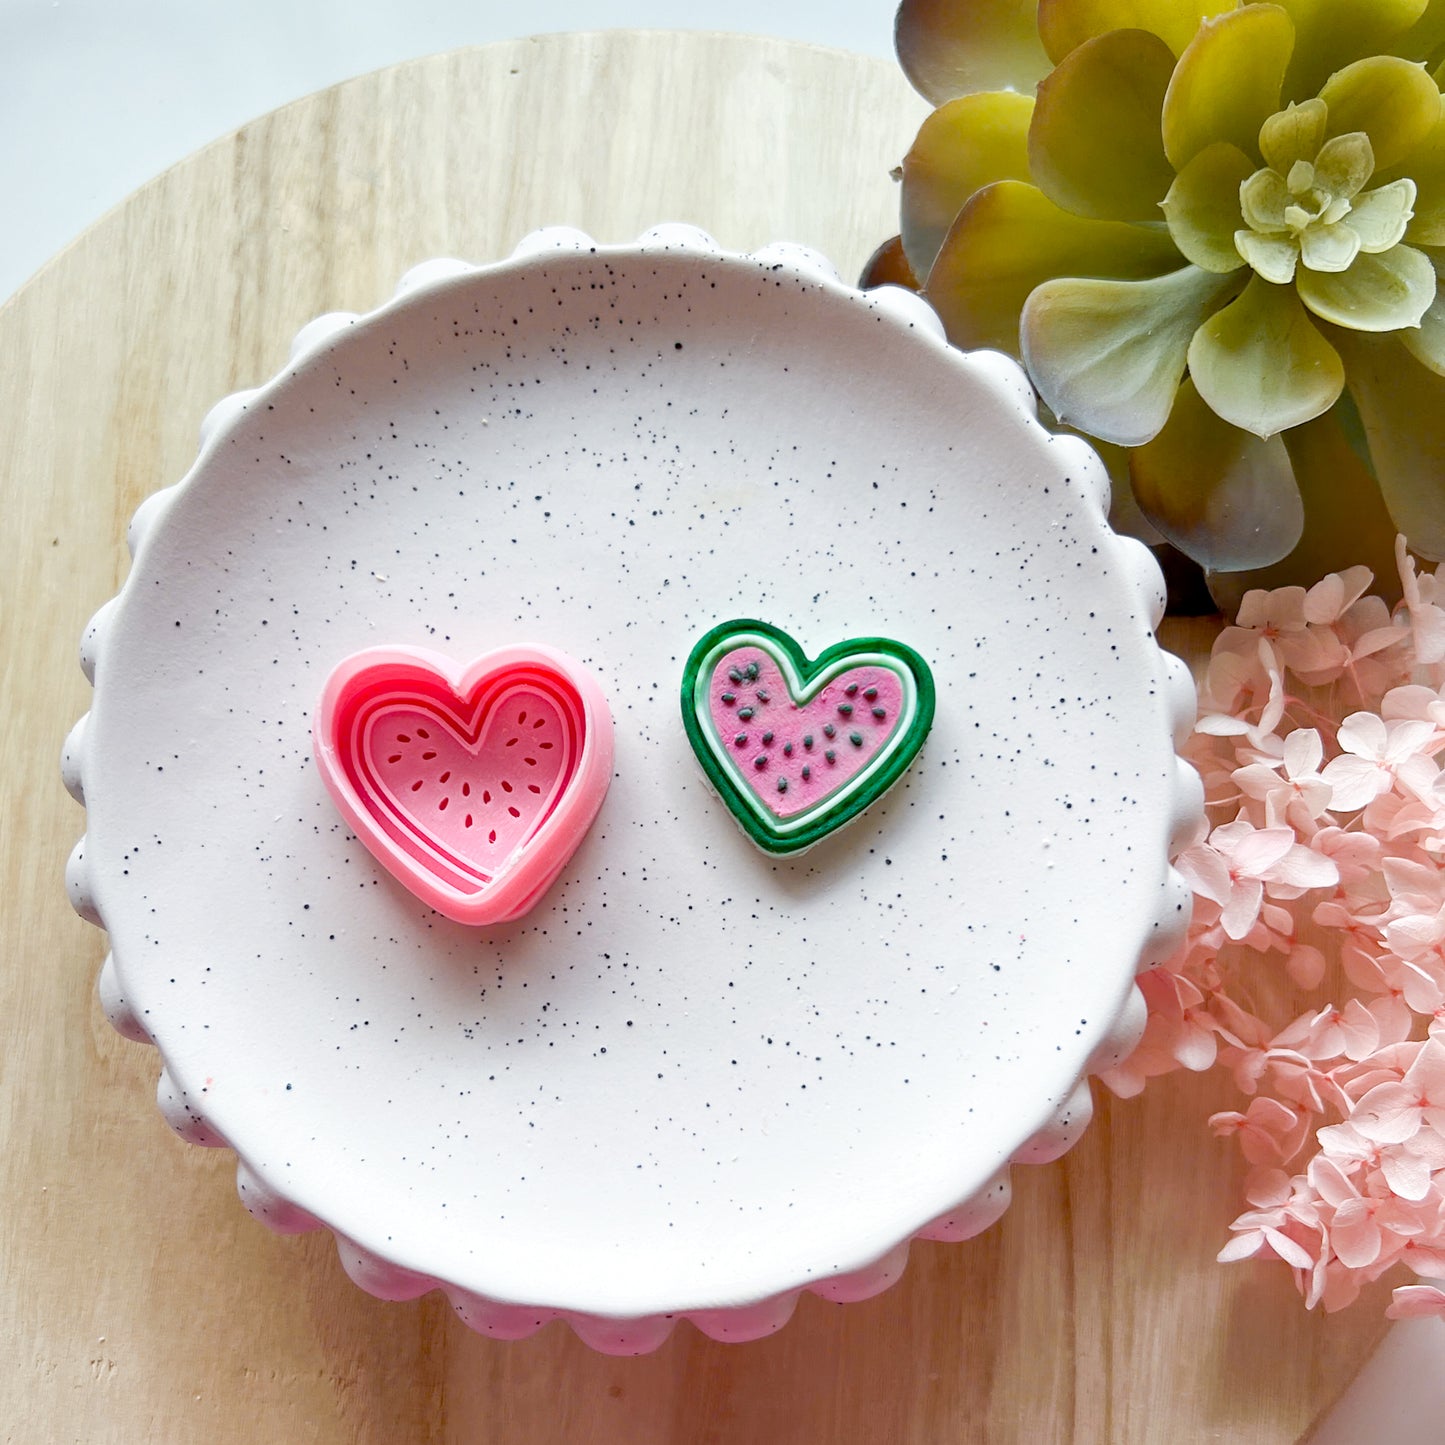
1320 738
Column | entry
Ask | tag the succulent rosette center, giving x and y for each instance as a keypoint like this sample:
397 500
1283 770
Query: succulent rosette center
1314 208
1213 240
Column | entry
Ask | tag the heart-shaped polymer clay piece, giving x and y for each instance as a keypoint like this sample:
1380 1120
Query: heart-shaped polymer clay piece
472 785
797 748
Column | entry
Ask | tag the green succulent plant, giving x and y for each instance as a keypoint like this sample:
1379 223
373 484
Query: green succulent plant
1211 232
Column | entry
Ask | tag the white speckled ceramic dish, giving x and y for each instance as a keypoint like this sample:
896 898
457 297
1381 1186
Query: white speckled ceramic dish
695 1079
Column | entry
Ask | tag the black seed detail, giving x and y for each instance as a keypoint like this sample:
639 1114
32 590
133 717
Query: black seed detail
829 730
856 739
763 696
745 713
851 689
879 713
782 785
870 693
807 772
761 761
767 738
729 698
831 756
808 740
734 675
787 750
740 740
846 709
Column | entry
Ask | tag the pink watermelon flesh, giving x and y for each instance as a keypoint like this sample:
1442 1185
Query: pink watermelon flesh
780 749
475 799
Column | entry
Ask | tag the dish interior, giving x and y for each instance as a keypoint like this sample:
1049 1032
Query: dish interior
695 1074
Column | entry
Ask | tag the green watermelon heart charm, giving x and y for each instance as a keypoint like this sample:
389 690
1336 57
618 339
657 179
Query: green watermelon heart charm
798 748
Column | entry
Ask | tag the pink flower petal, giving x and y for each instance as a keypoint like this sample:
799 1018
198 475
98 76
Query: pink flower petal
1331 1182
1196 1048
1360 1028
1302 867
1416 1302
1353 782
1242 1246
1242 907
1206 872
1355 1235
1388 1114
1362 733
1287 1249
1407 1173
1427 1072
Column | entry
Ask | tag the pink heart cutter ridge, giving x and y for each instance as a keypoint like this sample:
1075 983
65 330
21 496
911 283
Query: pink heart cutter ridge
472 785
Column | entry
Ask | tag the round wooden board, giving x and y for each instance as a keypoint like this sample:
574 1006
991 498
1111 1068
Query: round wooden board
140 1301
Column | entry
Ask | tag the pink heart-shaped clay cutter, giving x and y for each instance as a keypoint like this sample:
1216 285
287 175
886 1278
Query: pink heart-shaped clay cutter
472 785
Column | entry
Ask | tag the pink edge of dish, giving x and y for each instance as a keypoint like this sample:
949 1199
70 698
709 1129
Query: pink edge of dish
533 866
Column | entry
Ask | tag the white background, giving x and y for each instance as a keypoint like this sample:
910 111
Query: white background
97 96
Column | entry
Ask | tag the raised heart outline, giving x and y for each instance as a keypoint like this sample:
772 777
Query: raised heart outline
462 696
804 677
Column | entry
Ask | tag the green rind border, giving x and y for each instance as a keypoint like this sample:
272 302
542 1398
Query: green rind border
846 809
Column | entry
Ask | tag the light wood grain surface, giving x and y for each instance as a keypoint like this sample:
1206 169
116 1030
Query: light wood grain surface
138 1302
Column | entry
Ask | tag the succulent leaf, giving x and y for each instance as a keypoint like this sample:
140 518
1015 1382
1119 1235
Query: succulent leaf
1262 364
1345 163
1427 170
1402 406
1381 217
1329 248
1275 258
1114 168
1380 292
1114 351
1203 207
1223 496
1064 24
1227 82
1423 40
1008 239
1427 344
1263 200
888 266
1331 33
1345 521
949 48
1293 134
1249 191
1394 102
964 145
